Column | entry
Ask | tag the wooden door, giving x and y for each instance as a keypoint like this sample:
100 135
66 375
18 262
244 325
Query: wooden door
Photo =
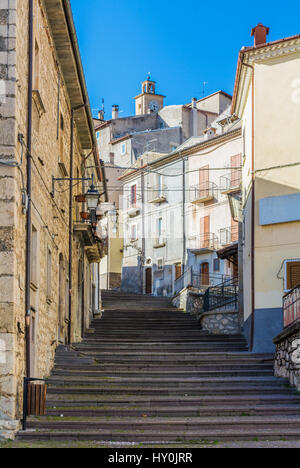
32 342
205 274
178 271
205 232
149 281
61 301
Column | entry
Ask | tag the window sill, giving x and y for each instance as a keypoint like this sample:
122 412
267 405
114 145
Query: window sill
33 286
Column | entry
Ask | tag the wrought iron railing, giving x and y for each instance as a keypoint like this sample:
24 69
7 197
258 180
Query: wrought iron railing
207 190
200 281
206 280
204 241
223 296
229 235
231 181
291 306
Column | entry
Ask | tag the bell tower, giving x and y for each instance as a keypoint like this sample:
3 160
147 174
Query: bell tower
148 101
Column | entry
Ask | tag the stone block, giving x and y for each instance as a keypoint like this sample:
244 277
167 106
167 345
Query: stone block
7 289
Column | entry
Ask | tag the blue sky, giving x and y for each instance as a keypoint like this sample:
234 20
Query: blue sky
182 44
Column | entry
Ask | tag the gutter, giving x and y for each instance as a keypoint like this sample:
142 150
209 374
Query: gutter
73 37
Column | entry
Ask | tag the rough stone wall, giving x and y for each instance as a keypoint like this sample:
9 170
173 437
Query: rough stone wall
190 300
287 359
220 323
10 341
49 215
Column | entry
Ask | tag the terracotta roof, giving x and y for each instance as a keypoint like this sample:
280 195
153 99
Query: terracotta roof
244 51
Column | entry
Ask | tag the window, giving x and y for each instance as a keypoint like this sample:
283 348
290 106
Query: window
159 227
292 274
49 273
123 148
216 264
62 122
160 264
133 232
133 195
98 135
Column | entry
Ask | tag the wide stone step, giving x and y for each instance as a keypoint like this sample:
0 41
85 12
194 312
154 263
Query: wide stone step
164 390
149 401
157 436
78 409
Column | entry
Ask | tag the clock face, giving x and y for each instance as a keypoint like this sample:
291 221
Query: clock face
153 106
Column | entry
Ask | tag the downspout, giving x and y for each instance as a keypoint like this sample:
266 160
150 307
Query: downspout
29 190
252 324
183 214
71 226
143 231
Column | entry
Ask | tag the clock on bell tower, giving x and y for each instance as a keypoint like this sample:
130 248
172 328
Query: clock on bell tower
148 101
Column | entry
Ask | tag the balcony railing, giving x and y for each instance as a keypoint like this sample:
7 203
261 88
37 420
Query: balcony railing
291 306
229 235
157 194
200 281
160 241
231 182
222 297
203 193
207 241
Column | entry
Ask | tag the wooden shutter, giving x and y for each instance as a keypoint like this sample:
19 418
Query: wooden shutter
133 195
204 230
204 181
236 162
293 274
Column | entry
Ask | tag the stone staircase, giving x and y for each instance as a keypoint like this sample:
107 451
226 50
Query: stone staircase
149 374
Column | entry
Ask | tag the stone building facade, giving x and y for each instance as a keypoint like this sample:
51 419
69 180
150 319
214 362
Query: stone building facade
58 86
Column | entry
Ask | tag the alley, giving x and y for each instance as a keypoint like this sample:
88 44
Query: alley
147 374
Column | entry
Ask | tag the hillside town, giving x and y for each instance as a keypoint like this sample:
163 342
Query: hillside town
150 263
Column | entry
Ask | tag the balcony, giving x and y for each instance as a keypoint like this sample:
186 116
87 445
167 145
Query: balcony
159 242
133 209
199 281
291 306
157 194
203 243
229 235
203 193
231 182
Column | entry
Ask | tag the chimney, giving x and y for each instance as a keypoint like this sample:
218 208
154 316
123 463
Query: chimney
115 112
260 33
209 133
194 117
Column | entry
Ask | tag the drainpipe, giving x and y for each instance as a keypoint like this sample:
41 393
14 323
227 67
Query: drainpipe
252 325
28 220
183 214
143 231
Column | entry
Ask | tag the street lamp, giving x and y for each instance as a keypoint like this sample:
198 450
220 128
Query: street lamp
92 198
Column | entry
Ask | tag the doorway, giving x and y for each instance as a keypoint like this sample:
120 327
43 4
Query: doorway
205 274
61 301
149 281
